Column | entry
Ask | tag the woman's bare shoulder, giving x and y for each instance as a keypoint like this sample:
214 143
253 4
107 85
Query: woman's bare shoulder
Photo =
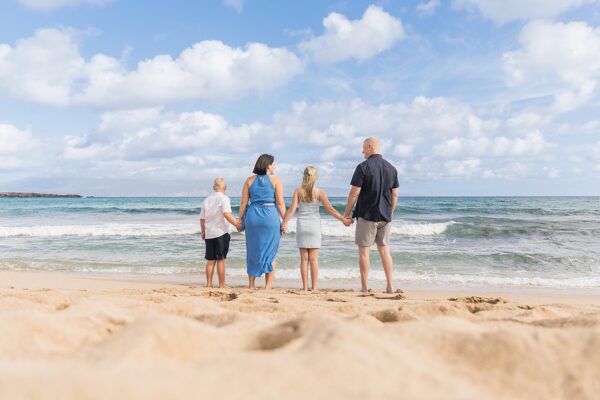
274 179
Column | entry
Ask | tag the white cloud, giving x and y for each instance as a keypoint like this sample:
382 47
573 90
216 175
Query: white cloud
152 134
16 148
46 5
564 54
48 68
360 39
237 5
403 150
500 146
428 8
462 168
434 138
502 11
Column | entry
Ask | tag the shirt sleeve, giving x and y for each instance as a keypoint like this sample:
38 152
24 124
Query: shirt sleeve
358 177
202 212
396 183
226 205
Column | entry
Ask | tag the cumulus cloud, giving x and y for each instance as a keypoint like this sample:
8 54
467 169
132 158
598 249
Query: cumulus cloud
237 5
361 39
153 134
564 54
500 146
501 11
45 5
48 68
16 147
434 138
428 8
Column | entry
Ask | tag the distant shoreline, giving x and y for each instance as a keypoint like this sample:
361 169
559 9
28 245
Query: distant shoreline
38 195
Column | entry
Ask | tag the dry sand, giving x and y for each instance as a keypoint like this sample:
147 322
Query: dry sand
71 337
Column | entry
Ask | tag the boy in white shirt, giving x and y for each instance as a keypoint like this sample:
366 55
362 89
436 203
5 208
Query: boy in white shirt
215 213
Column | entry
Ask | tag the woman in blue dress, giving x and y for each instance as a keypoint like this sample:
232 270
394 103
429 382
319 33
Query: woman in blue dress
261 210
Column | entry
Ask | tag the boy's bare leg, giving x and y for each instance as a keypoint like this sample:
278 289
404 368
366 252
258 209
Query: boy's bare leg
388 266
363 261
221 272
313 258
210 267
304 267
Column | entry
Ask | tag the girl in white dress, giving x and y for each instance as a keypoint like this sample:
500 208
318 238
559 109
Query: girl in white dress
307 199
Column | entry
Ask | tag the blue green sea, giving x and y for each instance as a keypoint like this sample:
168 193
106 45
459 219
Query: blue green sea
541 242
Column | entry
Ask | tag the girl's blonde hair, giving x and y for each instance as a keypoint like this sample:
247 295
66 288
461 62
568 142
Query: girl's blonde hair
306 192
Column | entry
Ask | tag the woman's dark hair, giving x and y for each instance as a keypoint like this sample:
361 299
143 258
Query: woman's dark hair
262 164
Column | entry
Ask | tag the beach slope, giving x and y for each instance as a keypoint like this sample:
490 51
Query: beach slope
72 337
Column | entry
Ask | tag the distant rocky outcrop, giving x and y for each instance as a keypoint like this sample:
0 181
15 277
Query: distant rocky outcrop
36 195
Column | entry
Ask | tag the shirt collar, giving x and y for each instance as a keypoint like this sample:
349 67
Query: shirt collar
375 156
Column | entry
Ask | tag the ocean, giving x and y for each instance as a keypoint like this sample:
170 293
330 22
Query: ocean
495 242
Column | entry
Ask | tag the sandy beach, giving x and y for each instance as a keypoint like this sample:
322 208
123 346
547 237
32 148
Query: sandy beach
72 336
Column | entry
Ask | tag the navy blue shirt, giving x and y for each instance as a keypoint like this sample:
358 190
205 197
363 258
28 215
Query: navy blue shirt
376 178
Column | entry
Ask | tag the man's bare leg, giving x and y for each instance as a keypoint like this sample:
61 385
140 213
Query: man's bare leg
363 261
210 268
313 258
388 266
221 273
304 268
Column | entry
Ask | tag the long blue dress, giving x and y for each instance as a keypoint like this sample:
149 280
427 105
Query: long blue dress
262 226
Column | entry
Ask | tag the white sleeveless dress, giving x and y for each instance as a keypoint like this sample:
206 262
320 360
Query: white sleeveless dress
308 225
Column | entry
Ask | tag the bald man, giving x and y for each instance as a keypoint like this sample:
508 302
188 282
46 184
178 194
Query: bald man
374 191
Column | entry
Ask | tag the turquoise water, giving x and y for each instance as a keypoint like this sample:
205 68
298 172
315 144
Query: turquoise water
547 242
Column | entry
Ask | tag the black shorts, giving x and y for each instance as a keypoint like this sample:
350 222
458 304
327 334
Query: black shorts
217 248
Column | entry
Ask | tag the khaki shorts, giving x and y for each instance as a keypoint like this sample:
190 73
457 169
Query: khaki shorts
368 232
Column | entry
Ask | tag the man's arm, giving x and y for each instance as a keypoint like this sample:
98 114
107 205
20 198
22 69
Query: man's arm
352 197
394 199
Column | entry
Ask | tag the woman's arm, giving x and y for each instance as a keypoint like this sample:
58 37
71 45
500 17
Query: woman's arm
290 212
279 201
244 202
329 208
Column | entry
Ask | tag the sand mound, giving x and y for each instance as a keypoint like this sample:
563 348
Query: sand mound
187 342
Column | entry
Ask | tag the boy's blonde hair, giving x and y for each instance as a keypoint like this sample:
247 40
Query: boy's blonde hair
219 183
309 178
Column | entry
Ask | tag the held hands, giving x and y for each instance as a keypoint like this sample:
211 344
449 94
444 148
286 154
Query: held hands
348 221
283 227
238 226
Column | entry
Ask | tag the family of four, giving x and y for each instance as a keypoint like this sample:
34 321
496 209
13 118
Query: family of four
263 217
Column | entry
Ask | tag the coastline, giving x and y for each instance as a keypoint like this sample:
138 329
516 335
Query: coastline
81 336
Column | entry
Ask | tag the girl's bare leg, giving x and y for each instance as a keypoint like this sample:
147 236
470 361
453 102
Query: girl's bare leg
251 282
313 258
304 267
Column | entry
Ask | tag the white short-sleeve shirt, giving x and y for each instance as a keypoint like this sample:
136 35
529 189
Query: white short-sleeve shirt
213 208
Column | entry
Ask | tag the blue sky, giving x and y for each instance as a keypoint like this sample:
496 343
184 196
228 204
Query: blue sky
470 97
